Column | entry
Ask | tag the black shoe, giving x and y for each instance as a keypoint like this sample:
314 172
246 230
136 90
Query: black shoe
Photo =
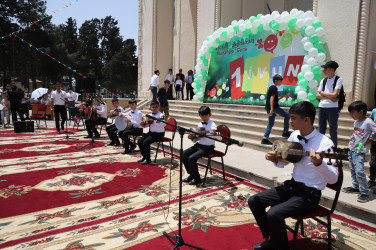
97 136
188 179
351 190
286 134
132 147
87 137
195 182
363 198
141 160
371 184
111 143
117 144
126 151
266 142
146 162
58 132
263 245
62 127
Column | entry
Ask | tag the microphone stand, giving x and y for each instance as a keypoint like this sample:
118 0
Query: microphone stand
67 128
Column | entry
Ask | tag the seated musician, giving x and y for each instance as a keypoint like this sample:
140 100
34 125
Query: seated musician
203 146
155 133
111 129
45 100
302 193
98 116
135 116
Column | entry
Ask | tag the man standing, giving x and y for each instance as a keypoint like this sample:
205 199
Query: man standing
58 105
327 94
182 78
154 83
15 96
189 80
162 98
170 77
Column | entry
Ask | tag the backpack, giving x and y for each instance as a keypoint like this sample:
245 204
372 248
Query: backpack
341 95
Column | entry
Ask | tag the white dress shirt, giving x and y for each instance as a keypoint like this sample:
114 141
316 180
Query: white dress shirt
170 77
71 96
157 127
59 98
207 141
154 81
136 117
327 103
304 170
102 110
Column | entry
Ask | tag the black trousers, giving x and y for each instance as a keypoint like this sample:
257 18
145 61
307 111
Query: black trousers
15 107
192 154
60 110
90 125
372 163
190 92
145 142
112 133
292 198
124 135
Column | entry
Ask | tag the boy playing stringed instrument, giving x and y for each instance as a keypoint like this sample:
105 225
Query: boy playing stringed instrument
302 193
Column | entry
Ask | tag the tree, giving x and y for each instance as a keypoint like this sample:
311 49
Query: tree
111 42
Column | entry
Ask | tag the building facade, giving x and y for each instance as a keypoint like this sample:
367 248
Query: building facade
171 33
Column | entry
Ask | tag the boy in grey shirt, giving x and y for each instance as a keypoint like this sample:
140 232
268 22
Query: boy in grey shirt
363 128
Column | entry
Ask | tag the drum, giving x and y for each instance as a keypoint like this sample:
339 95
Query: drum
121 125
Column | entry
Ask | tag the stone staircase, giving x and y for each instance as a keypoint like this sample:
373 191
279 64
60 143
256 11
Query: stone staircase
248 122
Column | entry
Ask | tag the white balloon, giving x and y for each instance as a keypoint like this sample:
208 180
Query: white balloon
268 18
299 14
274 14
194 85
305 59
240 21
278 19
308 14
285 17
283 26
248 25
313 52
256 23
306 68
312 84
199 77
308 76
311 62
293 12
323 38
307 46
242 27
234 22
216 35
298 89
266 26
309 30
319 31
321 57
199 94
254 30
308 21
302 94
299 24
304 40
195 97
262 20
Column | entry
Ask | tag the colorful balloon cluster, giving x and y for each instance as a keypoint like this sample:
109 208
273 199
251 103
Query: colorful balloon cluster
313 41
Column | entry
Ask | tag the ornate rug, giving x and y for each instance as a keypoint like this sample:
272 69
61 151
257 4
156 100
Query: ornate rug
97 198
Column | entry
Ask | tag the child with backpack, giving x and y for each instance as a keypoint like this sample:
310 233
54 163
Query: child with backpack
331 96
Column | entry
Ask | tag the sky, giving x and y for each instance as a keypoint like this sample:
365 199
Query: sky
124 11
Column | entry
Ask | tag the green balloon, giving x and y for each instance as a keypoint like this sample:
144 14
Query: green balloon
311 96
205 78
300 76
302 30
271 23
259 15
198 85
322 51
202 57
303 83
201 99
195 77
197 81
205 61
236 27
218 41
315 103
211 49
224 33
286 40
260 28
292 23
252 19
313 38
219 92
275 26
204 72
318 45
247 32
196 91
317 77
315 69
316 24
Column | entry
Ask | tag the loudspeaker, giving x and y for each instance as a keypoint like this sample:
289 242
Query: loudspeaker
85 85
23 126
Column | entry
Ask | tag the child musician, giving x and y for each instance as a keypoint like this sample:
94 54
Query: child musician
136 117
111 130
204 146
101 110
156 133
302 193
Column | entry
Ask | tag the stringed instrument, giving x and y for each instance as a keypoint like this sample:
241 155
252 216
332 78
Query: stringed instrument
201 132
293 152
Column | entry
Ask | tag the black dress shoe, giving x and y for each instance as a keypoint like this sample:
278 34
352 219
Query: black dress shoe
111 143
132 147
62 127
58 132
97 136
188 179
195 182
89 136
126 151
267 244
145 162
141 160
116 144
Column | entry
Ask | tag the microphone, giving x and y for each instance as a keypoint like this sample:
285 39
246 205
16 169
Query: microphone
233 141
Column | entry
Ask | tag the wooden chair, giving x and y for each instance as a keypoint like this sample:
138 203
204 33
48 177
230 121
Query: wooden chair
225 131
172 129
39 115
320 211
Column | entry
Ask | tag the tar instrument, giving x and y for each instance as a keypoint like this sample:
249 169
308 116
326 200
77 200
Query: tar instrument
121 124
293 152
112 114
147 120
200 132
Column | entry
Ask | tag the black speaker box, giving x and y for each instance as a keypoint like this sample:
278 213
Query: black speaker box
85 85
23 126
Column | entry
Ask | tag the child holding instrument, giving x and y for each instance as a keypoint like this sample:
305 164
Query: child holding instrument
111 129
302 193
155 133
361 137
272 108
203 146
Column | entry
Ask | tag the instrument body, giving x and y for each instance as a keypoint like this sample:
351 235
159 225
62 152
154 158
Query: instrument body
147 121
121 124
112 114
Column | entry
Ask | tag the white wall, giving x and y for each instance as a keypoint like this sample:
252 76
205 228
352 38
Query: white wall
370 74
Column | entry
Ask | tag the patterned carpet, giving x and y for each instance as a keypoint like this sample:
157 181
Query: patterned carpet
55 195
